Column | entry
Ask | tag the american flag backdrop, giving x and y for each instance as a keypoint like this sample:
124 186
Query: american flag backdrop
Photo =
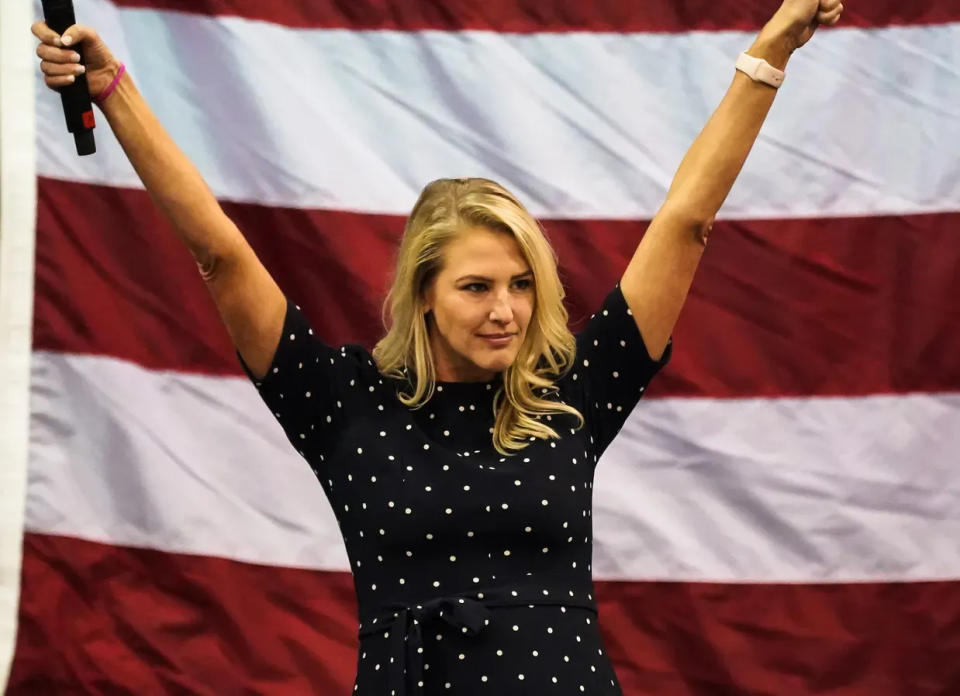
779 515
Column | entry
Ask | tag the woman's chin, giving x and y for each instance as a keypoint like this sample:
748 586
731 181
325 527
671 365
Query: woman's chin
497 363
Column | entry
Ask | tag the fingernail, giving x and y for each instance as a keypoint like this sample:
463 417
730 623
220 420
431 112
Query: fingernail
75 57
67 40
56 40
80 69
70 78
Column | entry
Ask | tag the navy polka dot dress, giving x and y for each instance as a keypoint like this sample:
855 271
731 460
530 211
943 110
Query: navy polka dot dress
472 570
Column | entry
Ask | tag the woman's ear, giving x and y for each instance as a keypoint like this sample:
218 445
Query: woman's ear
425 300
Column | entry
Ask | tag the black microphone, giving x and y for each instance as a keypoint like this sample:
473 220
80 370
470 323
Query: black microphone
58 14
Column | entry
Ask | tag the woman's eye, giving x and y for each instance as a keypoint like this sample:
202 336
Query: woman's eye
523 284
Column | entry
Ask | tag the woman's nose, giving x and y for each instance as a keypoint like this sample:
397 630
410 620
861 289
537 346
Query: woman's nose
501 310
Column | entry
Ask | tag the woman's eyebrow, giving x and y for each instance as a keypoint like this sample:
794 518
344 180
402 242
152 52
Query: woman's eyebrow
490 280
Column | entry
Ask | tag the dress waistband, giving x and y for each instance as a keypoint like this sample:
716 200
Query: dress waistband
470 613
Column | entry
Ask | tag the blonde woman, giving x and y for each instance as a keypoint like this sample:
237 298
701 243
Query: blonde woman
459 455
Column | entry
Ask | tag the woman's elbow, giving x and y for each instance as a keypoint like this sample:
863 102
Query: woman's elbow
691 222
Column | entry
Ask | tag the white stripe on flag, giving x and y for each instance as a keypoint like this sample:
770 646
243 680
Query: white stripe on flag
580 125
782 490
18 203
791 490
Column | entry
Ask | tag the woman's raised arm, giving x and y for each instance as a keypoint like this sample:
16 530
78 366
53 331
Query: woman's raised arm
249 301
658 277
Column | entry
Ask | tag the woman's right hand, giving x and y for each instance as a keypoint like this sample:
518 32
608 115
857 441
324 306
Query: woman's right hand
60 58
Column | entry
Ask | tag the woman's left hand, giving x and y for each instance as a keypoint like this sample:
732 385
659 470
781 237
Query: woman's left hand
799 19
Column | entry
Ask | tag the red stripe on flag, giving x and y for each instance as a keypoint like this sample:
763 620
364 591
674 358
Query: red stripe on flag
99 619
102 619
847 306
869 639
524 16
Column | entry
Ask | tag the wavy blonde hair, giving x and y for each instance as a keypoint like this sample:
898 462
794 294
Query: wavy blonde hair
446 208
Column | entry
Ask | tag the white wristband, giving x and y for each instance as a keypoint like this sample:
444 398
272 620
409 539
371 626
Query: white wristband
759 70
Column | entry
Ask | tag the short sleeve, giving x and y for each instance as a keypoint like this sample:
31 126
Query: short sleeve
613 368
305 387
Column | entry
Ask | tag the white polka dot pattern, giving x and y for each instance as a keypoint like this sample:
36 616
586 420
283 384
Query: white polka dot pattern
613 368
472 570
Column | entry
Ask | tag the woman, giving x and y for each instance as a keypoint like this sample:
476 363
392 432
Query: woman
459 455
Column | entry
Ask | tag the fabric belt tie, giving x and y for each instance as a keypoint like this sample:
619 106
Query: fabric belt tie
466 615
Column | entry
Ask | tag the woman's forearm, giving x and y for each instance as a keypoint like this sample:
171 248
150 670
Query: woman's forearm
172 181
708 170
657 279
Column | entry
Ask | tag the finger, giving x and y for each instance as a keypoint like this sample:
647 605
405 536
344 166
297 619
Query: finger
832 17
76 34
829 5
59 81
57 55
57 69
45 33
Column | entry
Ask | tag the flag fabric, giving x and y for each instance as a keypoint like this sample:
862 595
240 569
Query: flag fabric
779 515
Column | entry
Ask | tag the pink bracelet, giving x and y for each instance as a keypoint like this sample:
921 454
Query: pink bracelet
112 86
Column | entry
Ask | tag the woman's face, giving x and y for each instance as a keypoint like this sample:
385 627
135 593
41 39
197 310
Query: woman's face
486 287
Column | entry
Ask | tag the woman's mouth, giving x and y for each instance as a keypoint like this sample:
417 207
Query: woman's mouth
497 339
